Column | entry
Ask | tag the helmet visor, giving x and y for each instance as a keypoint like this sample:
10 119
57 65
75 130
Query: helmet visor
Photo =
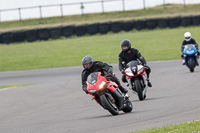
87 65
125 47
187 37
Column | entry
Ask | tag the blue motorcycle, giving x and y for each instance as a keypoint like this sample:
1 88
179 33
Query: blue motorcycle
190 56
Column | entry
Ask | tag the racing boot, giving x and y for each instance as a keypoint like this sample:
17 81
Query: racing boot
122 89
149 83
124 78
183 62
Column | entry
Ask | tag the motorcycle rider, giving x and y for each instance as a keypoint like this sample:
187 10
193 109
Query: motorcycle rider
91 66
129 54
188 40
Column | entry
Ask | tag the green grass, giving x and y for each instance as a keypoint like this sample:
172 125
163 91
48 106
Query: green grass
11 86
160 44
4 86
156 12
193 127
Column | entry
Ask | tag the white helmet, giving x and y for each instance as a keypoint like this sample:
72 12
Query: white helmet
187 36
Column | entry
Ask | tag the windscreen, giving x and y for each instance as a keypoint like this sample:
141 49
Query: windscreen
133 64
190 46
92 78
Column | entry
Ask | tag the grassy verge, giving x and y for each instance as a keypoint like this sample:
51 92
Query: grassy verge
156 12
12 86
193 127
154 45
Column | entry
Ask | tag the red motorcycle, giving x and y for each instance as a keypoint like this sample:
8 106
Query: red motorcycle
107 94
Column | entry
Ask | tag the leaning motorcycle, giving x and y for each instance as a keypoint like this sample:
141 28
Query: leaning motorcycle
190 56
107 94
136 78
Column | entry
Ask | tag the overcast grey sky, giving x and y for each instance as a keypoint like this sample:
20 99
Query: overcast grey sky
7 4
73 9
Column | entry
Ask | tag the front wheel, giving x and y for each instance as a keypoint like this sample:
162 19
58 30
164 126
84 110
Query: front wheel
109 104
191 64
139 89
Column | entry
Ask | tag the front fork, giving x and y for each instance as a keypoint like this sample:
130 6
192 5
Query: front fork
132 86
120 98
186 59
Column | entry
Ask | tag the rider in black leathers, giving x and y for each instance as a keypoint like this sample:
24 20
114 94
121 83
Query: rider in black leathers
129 54
90 66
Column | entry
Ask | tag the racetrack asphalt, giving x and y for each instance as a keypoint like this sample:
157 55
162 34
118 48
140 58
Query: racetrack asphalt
55 102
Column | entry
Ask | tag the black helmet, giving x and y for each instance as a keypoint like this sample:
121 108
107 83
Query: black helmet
125 43
87 60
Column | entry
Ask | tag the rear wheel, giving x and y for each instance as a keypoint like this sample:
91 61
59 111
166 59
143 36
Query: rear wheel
139 89
191 64
128 107
109 105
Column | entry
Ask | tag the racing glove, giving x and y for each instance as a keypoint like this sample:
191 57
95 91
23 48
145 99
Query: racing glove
86 92
123 70
146 67
85 89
